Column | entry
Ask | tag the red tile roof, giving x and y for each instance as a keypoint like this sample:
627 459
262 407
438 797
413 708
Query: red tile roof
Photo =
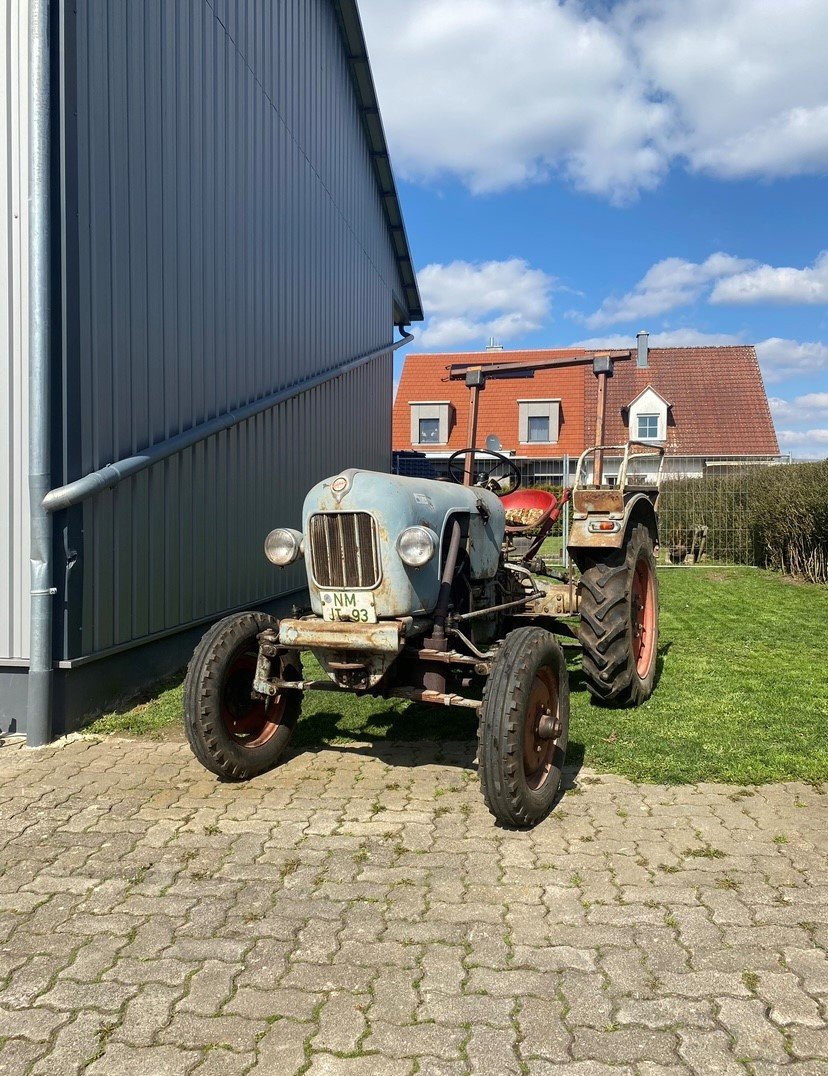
718 401
422 380
718 404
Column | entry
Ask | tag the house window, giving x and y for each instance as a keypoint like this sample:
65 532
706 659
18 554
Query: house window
648 427
430 422
429 431
538 428
538 421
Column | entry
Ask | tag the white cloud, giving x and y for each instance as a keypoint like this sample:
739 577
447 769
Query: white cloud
504 92
781 359
670 338
670 283
768 284
747 78
808 408
805 444
469 302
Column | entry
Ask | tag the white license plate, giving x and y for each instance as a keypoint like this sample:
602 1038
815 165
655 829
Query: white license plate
351 606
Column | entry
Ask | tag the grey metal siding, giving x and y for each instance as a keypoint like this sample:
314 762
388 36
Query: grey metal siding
14 405
227 238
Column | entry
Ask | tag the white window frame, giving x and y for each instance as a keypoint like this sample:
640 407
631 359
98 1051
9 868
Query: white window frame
548 409
647 403
439 409
649 436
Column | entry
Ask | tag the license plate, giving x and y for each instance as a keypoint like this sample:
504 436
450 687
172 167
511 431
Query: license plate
352 606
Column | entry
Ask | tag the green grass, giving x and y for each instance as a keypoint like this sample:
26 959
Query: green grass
742 694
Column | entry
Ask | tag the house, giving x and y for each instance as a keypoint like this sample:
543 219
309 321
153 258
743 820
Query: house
218 263
706 405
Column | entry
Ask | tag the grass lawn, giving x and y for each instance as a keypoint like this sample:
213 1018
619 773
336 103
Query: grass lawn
742 694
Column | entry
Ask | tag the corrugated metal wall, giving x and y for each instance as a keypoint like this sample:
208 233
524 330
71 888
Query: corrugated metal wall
14 402
230 241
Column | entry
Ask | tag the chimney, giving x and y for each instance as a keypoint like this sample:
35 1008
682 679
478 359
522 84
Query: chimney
643 358
494 345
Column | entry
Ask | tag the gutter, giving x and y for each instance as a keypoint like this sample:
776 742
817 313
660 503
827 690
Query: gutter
38 726
109 476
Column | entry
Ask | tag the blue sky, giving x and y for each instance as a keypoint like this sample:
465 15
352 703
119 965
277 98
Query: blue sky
562 183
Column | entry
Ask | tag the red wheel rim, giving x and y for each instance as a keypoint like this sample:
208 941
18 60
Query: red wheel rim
248 722
542 729
643 616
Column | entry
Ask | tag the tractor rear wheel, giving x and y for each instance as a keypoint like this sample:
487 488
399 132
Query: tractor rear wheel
524 727
619 622
232 733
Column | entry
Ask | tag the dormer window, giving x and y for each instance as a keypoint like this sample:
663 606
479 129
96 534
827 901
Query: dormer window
648 428
430 422
647 416
539 421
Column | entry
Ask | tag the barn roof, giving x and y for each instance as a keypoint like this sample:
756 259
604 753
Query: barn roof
350 26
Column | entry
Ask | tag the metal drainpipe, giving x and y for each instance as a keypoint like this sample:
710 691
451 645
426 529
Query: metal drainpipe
39 712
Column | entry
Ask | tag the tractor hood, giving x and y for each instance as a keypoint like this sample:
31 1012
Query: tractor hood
353 544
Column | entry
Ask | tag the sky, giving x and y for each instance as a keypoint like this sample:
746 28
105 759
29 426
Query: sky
572 171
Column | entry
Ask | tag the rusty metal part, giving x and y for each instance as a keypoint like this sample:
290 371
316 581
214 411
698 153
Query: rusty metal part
447 580
476 613
437 697
638 508
458 371
446 657
557 601
482 655
341 636
604 501
475 381
549 726
600 422
275 687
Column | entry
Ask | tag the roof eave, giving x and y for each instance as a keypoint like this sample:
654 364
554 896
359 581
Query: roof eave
350 25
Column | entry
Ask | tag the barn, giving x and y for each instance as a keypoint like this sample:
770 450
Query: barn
206 261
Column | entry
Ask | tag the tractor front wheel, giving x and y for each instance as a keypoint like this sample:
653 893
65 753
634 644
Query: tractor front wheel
619 622
233 733
524 728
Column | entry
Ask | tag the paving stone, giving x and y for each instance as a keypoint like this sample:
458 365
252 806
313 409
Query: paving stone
158 922
543 1031
341 1023
492 1050
708 1052
282 1048
753 1036
629 1045
414 1040
327 1065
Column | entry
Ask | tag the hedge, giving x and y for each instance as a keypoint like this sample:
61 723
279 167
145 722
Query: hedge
774 517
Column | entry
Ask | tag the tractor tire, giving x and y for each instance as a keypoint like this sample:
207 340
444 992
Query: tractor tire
619 622
521 755
232 734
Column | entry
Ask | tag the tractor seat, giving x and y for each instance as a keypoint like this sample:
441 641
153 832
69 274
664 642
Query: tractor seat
528 509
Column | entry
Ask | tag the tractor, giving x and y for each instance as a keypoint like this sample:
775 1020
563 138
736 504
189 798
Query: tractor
427 590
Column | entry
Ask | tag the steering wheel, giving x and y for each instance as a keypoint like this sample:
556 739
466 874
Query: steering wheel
487 480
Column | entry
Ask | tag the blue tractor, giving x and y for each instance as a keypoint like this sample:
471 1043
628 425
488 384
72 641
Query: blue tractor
416 592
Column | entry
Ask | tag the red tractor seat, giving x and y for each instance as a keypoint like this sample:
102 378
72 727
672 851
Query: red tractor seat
528 509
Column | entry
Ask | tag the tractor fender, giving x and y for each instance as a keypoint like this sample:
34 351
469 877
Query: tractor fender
639 509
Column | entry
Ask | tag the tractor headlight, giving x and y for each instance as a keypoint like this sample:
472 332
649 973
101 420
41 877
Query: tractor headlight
283 546
416 546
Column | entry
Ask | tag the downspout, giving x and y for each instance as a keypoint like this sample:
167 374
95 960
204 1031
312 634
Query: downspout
39 706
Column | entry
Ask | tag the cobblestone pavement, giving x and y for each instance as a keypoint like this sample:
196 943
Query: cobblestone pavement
357 912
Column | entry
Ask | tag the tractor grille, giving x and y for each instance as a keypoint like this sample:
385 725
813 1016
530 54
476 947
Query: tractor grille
343 549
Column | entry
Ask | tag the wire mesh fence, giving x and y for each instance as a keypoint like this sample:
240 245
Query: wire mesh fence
704 506
705 509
